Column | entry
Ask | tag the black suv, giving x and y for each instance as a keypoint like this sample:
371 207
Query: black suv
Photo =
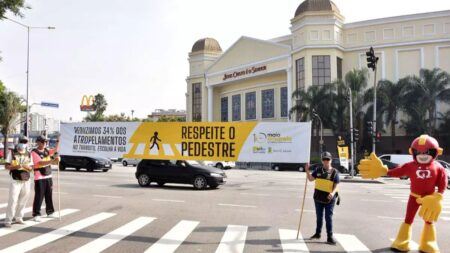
179 171
89 163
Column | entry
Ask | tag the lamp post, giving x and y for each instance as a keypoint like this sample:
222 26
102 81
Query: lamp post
28 62
321 131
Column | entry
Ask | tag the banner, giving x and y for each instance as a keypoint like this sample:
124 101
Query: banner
343 156
216 141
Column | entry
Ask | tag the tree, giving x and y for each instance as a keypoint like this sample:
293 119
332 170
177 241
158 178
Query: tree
10 107
425 92
171 119
14 6
100 105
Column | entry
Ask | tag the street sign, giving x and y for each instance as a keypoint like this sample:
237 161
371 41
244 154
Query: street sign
50 104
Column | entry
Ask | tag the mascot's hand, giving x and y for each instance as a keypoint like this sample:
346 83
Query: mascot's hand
431 207
372 167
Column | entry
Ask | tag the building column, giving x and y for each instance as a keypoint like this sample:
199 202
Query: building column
289 86
210 103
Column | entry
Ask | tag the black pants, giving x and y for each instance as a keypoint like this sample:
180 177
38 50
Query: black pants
43 188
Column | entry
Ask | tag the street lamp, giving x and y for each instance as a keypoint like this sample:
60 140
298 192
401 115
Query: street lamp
321 130
28 61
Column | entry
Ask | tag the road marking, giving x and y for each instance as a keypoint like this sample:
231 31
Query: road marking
446 212
107 196
391 218
29 223
3 205
115 236
233 241
57 234
404 198
172 239
376 200
26 210
445 218
351 243
412 245
289 242
4 189
169 200
233 205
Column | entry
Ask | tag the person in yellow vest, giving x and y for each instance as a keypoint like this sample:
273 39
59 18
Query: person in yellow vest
20 164
325 194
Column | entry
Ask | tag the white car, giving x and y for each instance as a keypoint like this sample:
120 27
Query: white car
219 164
130 161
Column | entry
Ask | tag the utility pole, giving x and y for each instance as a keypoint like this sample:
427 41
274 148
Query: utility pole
352 151
372 61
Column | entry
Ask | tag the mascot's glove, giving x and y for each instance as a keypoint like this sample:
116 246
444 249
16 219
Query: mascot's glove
372 167
431 207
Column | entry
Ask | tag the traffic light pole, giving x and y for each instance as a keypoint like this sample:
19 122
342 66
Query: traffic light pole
374 110
352 152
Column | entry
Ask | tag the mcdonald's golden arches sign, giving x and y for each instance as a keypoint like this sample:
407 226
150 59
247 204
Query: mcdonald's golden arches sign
87 103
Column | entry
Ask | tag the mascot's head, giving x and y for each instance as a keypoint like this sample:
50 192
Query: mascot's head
425 149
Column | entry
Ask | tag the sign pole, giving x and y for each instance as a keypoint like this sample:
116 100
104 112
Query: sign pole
303 205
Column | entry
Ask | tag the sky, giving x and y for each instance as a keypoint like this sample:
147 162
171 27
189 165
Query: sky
136 52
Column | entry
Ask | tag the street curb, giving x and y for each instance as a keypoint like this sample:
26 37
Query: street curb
360 180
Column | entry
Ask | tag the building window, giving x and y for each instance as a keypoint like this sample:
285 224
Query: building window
300 70
224 109
284 102
321 69
197 102
339 68
267 103
236 107
250 105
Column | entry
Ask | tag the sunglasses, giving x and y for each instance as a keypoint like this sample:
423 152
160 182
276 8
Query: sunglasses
326 159
431 152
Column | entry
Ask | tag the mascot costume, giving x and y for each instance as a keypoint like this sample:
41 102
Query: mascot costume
425 175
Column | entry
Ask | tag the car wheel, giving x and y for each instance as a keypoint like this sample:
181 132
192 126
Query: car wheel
105 170
161 184
144 180
62 166
276 168
124 163
219 166
199 182
301 169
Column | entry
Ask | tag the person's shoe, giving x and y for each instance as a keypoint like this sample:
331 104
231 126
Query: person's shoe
52 215
37 218
331 241
315 236
19 221
7 224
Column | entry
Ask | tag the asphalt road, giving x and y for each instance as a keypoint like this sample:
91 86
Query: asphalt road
256 211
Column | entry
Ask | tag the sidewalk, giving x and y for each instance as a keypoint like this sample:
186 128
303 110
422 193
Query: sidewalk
358 179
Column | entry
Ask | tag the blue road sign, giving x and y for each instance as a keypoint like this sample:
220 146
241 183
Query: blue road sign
50 104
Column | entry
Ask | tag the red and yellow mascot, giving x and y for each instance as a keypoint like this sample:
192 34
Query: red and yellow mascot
425 175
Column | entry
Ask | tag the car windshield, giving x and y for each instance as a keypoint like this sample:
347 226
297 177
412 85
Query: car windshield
193 162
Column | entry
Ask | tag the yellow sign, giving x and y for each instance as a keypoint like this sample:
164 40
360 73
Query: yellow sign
343 152
87 104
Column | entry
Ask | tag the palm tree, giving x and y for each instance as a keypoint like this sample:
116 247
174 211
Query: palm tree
100 105
390 101
10 107
430 88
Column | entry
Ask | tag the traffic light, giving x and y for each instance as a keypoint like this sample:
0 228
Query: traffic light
355 134
378 137
370 128
371 59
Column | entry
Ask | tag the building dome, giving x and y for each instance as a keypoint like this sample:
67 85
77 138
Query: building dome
208 44
316 5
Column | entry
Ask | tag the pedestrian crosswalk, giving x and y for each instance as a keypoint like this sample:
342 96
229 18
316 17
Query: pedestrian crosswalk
233 239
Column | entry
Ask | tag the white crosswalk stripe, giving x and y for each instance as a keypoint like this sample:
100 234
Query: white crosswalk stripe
115 236
56 234
289 241
233 241
29 223
3 205
350 243
173 239
26 210
412 245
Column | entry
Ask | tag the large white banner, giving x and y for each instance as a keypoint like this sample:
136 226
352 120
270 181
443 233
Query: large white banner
221 141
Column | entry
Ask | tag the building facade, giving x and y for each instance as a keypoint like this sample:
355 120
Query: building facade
158 113
254 79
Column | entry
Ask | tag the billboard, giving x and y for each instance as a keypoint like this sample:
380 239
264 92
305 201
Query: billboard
229 141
